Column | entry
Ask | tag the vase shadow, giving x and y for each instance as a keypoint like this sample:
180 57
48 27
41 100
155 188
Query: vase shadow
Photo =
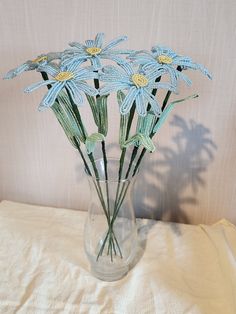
143 228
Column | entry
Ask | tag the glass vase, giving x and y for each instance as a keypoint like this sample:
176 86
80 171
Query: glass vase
110 233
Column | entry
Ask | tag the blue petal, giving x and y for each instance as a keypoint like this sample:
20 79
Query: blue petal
122 51
79 46
127 68
155 71
139 52
153 102
150 65
159 50
114 43
53 70
110 69
74 66
166 86
96 63
129 100
113 57
86 88
20 69
141 105
188 63
53 56
204 71
69 51
90 43
184 78
107 89
184 61
99 40
75 92
74 60
113 74
142 58
34 86
51 95
85 74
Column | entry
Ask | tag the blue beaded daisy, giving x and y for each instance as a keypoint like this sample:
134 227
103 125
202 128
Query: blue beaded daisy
139 84
169 60
69 77
33 64
94 51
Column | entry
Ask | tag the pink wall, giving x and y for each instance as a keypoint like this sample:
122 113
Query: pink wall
191 177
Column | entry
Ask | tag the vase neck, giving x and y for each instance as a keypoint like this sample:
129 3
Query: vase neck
113 170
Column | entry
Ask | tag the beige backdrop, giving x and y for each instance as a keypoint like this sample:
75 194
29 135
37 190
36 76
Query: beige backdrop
191 178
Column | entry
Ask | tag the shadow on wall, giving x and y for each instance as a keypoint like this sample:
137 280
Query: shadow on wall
167 180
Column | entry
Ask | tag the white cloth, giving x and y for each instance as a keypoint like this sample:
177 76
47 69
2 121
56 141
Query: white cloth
182 268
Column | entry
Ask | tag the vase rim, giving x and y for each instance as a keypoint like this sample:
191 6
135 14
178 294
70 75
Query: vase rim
103 180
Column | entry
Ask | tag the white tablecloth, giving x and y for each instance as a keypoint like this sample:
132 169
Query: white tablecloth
182 268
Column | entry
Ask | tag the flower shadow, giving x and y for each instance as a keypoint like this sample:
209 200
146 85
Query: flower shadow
178 170
166 181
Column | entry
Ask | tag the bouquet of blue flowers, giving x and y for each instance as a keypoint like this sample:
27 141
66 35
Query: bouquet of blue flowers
78 74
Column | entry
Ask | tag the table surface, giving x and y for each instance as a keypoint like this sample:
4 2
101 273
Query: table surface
180 268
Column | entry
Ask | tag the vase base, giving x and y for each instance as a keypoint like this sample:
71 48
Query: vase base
102 273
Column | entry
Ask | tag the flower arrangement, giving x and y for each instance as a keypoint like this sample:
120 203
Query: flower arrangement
78 73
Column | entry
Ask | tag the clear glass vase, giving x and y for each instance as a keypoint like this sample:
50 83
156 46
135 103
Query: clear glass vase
110 233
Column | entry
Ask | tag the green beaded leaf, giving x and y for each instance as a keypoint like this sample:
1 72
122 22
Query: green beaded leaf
120 97
123 119
67 119
102 111
167 110
141 139
68 115
93 106
99 111
145 124
91 141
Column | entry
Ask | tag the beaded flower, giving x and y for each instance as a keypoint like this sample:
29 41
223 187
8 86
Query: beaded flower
139 84
168 60
69 77
33 64
94 51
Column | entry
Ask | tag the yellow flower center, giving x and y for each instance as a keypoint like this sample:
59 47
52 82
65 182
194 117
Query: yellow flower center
139 80
164 59
64 76
40 59
93 50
